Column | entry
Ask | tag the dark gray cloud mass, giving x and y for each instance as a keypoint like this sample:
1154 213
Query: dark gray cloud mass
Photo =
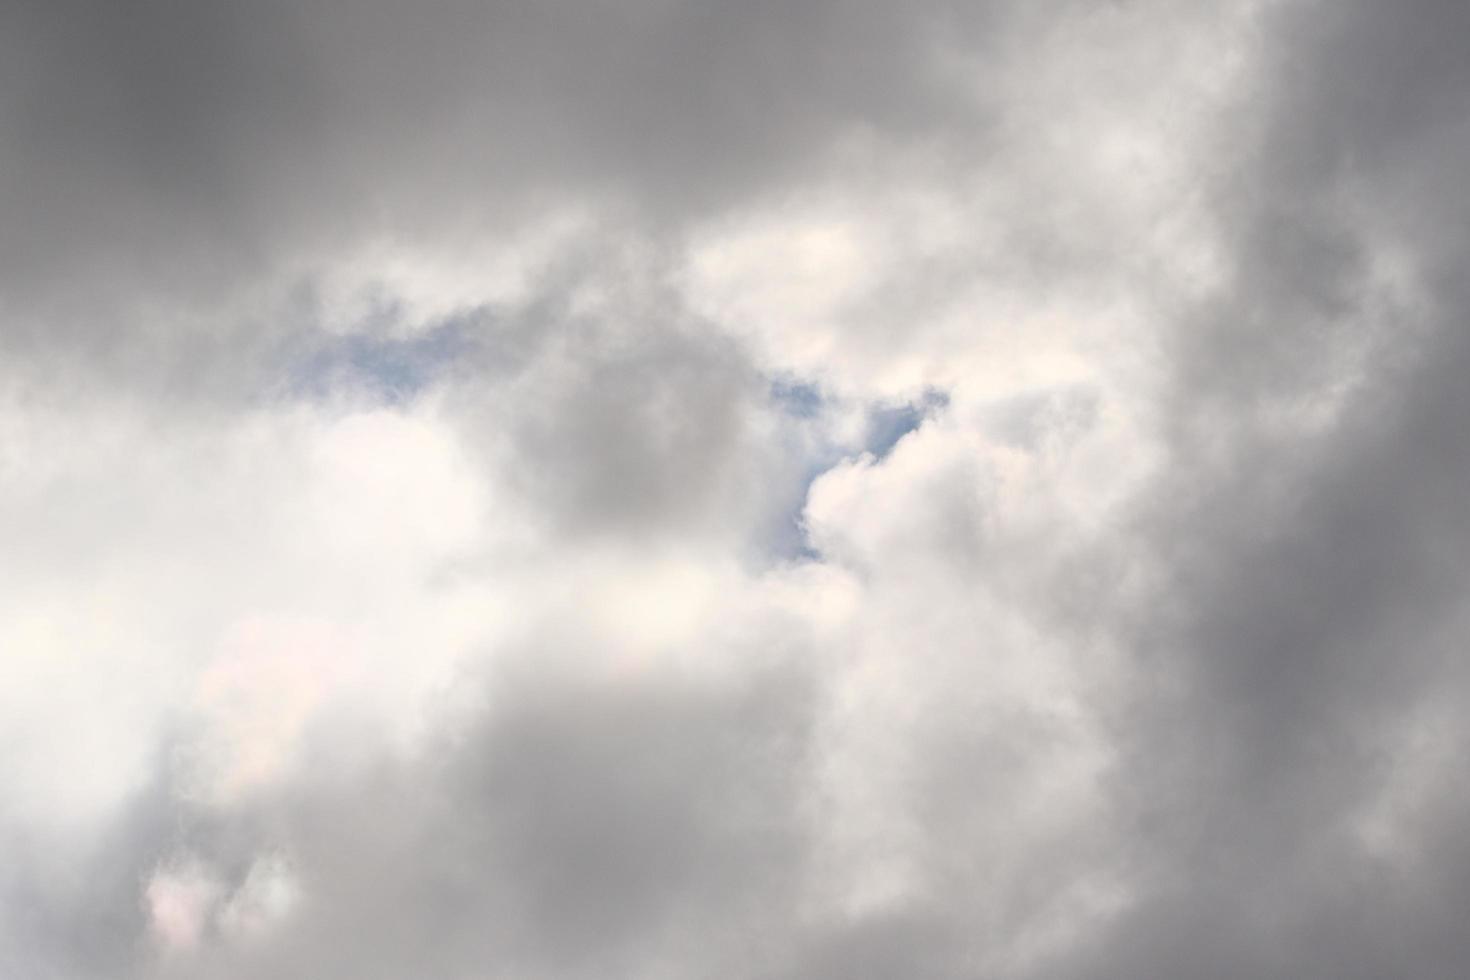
179 147
407 411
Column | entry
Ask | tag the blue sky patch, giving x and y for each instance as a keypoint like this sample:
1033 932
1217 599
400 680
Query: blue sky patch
887 424
394 370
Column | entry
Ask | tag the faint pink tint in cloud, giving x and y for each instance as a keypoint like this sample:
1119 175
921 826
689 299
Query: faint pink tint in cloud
181 902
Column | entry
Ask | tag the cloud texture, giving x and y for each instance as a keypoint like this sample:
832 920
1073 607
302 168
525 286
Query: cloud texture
654 488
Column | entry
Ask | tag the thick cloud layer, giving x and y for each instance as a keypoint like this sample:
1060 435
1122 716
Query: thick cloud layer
805 490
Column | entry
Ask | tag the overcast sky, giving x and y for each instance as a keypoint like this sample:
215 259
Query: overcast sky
771 490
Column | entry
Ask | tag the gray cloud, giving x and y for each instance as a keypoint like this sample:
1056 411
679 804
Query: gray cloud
184 152
393 615
1310 571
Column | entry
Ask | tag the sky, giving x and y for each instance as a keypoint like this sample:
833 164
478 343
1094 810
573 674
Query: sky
804 490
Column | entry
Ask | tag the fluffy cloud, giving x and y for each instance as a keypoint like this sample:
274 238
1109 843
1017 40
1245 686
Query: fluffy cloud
808 490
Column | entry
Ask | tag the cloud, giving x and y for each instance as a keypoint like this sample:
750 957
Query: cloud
807 490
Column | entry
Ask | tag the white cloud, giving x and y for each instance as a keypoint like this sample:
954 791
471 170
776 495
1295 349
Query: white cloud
837 490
